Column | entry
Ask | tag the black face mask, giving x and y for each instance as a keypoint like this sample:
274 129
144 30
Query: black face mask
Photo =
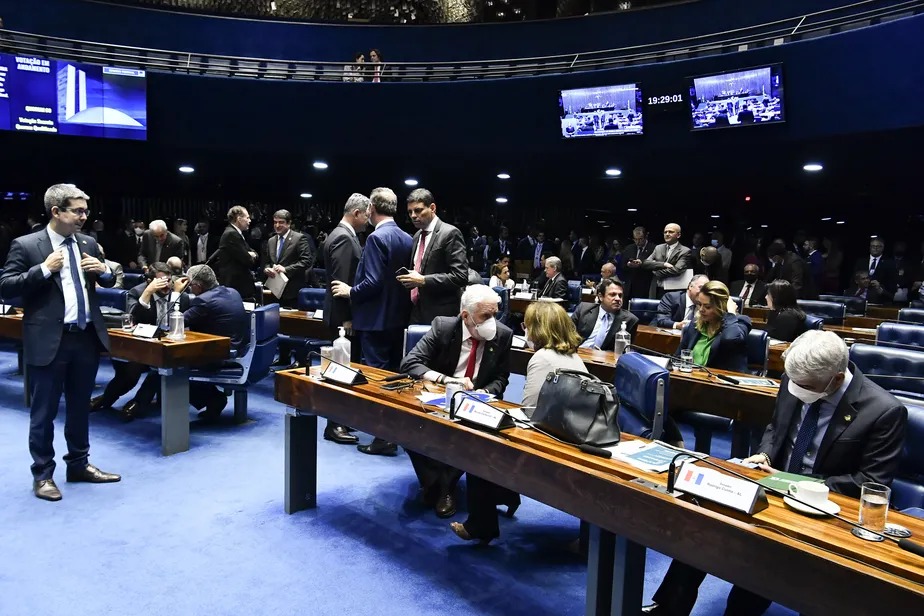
750 278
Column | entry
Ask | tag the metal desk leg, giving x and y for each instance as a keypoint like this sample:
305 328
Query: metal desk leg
301 461
615 574
174 411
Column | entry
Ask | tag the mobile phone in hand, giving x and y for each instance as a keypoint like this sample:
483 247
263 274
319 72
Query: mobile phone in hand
402 272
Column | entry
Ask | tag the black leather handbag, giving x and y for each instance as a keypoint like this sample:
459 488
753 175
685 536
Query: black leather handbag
578 408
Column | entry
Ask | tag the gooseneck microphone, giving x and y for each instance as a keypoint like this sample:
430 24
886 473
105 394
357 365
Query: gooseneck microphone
721 377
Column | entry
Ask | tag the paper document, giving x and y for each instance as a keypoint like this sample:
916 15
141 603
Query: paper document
249 306
440 399
678 282
518 342
652 457
277 284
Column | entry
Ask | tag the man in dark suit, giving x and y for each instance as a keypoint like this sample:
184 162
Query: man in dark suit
235 258
637 279
667 260
597 323
880 268
380 304
500 248
868 289
677 308
341 258
55 271
473 350
158 244
787 265
438 267
204 245
288 252
584 261
149 303
475 247
830 422
556 286
751 289
125 246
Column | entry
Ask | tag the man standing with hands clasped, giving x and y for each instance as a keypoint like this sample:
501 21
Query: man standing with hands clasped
54 271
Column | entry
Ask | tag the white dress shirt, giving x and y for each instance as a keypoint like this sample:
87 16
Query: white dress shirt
462 364
425 240
67 281
202 248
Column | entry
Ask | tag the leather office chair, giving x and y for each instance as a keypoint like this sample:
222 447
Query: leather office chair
644 309
738 302
758 351
319 275
813 322
908 485
485 280
900 371
642 387
112 298
503 309
574 295
901 335
412 336
130 280
832 312
911 315
239 373
855 305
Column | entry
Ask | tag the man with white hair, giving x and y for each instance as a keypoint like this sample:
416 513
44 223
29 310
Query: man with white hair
158 245
830 422
472 350
556 285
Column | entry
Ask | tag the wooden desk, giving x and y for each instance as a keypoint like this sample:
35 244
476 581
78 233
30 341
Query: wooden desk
870 322
300 323
848 332
886 313
172 359
777 553
519 305
661 340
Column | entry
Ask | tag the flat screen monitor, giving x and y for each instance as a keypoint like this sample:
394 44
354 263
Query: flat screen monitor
41 95
604 111
747 97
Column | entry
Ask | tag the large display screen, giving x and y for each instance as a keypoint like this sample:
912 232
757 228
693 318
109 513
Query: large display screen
601 112
742 98
40 95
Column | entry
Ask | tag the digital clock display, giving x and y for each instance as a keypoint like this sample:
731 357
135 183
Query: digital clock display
667 99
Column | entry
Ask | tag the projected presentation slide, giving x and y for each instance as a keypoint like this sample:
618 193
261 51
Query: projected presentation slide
601 112
742 98
69 98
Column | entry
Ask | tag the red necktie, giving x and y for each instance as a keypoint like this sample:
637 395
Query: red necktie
744 296
417 261
470 367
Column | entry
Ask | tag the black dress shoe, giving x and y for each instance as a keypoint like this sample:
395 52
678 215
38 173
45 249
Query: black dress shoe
445 506
378 447
130 411
90 474
46 490
213 410
99 403
340 435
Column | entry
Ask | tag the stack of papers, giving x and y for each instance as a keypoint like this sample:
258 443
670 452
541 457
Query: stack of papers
651 457
439 399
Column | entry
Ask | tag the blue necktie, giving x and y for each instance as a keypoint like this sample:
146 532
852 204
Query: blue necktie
804 438
279 245
601 335
75 277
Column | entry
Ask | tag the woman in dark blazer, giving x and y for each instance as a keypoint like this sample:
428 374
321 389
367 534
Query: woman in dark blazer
717 336
786 321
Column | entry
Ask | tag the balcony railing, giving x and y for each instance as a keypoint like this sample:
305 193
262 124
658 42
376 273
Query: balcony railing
808 26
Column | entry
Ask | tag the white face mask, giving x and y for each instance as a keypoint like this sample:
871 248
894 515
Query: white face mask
486 330
805 395
139 231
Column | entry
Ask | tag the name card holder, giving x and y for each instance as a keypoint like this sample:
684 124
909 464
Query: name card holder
480 414
143 330
343 375
720 488
7 309
318 314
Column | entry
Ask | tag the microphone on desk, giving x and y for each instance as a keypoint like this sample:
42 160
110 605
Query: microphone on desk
905 544
396 377
721 377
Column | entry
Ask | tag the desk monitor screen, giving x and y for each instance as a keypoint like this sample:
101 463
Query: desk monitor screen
605 111
747 97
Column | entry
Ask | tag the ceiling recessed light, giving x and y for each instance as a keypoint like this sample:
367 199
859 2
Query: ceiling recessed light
632 209
714 216
874 236
319 164
186 169
305 195
813 167
747 198
614 172
503 176
410 182
501 199
840 222
763 226
826 219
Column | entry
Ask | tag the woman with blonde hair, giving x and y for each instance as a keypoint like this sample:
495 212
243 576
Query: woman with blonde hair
550 331
718 335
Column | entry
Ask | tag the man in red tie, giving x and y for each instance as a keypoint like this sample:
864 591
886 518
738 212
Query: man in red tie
473 350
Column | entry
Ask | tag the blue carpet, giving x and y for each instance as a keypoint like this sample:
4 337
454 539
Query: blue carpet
204 532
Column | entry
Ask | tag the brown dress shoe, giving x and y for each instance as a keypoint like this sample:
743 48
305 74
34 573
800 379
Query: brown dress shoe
46 490
90 474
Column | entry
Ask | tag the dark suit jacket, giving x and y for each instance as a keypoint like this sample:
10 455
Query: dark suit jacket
495 252
43 299
220 311
585 264
341 258
211 245
585 317
124 248
557 287
148 316
863 442
873 296
637 279
758 291
794 270
886 273
379 301
297 258
440 347
672 309
173 247
235 264
728 350
786 325
660 267
445 270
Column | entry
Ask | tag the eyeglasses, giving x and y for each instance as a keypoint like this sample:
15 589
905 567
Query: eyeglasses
82 211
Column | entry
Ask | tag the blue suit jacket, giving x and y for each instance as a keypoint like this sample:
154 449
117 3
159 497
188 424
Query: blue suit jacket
43 299
729 350
220 312
671 309
378 299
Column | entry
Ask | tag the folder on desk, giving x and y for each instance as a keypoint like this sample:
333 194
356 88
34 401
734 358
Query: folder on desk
781 481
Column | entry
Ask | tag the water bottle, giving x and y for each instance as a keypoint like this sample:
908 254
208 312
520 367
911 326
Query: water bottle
177 329
622 340
342 348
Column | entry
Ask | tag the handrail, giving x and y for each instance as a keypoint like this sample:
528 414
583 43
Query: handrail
820 23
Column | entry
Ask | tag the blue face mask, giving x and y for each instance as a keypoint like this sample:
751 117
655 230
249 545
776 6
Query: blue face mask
715 243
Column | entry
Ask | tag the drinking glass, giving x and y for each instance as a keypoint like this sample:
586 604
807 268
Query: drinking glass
686 360
327 353
874 506
128 323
